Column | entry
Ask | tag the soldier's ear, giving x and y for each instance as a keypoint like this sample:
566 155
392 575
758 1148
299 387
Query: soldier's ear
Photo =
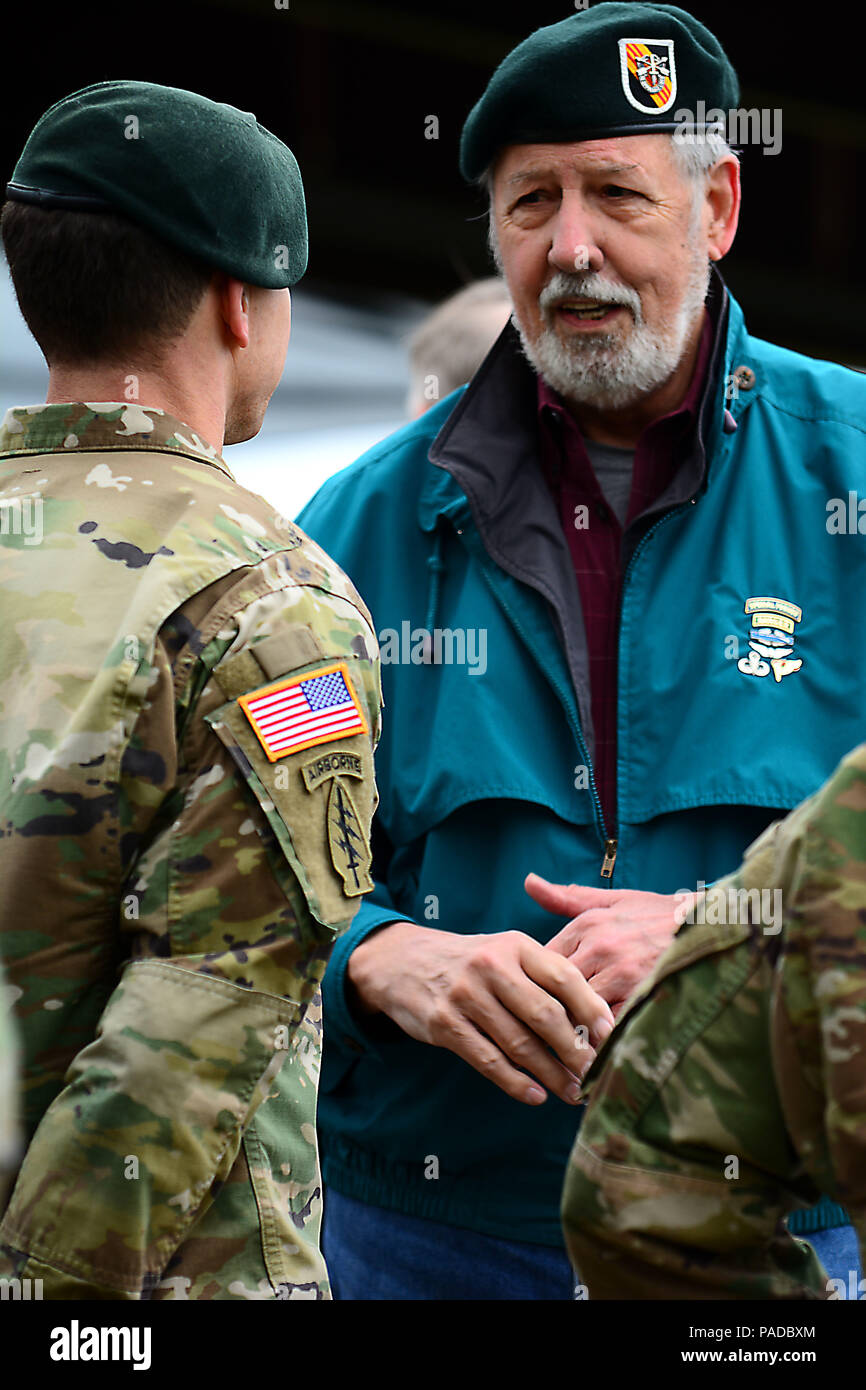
233 303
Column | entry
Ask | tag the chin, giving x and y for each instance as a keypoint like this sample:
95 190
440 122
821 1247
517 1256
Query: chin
240 429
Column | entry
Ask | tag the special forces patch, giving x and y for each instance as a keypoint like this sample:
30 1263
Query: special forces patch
649 74
302 711
350 849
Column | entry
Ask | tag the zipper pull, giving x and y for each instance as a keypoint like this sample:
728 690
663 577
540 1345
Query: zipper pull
609 859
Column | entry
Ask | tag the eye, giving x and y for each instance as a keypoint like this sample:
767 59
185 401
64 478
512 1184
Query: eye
529 198
617 192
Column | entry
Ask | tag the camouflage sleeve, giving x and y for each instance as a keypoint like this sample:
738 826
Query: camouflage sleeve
684 1167
150 1119
819 1019
244 866
10 1109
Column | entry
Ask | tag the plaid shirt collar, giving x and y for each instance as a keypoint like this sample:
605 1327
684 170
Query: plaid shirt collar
657 449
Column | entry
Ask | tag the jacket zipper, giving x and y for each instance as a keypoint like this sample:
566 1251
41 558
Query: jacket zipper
609 858
611 845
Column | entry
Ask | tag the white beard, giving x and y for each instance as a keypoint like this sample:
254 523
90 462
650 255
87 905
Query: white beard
606 370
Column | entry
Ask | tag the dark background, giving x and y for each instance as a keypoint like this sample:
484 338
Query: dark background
348 84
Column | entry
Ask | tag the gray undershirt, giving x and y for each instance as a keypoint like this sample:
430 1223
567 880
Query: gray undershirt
613 467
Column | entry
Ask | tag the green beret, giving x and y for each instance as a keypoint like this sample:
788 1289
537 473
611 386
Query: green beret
614 69
203 176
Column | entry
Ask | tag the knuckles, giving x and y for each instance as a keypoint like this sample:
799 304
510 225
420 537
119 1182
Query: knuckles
440 1022
522 1049
491 953
462 990
488 1065
543 1018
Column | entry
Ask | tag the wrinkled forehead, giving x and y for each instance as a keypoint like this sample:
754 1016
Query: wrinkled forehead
650 156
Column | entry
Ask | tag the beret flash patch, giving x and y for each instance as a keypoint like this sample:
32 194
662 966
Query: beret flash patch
648 72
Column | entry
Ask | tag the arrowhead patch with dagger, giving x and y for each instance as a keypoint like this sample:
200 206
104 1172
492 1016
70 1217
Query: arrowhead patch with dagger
349 846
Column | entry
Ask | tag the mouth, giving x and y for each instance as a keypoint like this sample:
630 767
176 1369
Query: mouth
574 311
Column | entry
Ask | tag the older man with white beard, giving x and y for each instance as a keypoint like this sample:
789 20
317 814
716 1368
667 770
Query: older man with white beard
628 502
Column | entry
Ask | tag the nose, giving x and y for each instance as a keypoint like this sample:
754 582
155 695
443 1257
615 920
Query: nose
573 246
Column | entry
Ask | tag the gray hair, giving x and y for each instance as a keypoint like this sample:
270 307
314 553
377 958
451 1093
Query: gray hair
696 159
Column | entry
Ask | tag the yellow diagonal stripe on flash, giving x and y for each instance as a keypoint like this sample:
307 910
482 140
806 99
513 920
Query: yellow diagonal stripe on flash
640 50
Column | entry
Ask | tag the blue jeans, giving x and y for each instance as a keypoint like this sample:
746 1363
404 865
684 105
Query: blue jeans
372 1253
839 1253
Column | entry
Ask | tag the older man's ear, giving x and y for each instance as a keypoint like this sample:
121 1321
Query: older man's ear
723 204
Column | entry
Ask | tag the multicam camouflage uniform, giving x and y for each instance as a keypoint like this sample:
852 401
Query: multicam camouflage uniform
171 890
734 1086
10 1119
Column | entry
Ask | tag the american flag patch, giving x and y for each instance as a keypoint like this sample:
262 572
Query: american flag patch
298 713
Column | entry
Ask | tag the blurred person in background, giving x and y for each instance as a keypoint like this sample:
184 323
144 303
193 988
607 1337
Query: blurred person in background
449 345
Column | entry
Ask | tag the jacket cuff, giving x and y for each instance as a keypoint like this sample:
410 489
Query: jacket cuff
350 1031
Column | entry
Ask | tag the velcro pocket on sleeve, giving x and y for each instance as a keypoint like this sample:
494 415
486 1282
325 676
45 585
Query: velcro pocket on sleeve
152 1115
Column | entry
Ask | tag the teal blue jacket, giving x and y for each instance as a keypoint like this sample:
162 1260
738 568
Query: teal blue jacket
448 527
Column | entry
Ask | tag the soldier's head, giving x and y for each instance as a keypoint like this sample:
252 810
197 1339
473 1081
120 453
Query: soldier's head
610 193
148 231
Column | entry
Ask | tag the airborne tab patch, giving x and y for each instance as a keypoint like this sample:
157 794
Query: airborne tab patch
304 710
331 765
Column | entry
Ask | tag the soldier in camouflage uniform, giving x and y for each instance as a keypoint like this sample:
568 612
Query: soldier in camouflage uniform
734 1085
10 1118
190 700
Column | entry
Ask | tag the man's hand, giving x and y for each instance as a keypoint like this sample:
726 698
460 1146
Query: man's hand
494 1000
614 938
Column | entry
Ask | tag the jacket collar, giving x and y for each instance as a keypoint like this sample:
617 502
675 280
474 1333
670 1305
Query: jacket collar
70 428
486 461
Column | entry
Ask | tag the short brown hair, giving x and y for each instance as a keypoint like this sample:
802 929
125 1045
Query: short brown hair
94 287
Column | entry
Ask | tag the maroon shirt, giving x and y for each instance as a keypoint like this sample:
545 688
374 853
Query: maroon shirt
596 551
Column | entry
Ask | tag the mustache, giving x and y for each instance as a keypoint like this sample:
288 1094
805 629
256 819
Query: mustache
588 286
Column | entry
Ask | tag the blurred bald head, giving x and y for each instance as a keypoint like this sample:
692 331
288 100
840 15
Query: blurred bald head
448 347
